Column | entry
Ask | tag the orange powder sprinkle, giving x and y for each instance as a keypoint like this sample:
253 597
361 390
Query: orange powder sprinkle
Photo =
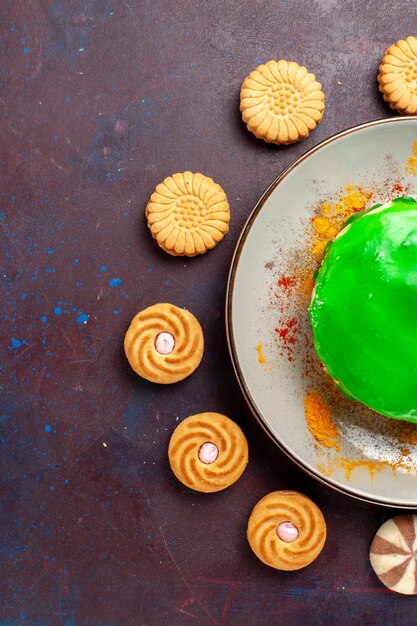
319 420
408 434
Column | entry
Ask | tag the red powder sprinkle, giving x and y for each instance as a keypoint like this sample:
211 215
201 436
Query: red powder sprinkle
288 336
286 282
282 332
288 330
397 188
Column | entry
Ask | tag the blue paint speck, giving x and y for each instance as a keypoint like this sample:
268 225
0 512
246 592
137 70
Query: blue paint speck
76 262
25 50
51 487
115 282
24 295
103 268
56 137
57 310
66 481
47 428
16 343
43 318
67 100
82 318
116 312
51 252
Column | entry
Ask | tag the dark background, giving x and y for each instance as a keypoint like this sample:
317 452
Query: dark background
100 100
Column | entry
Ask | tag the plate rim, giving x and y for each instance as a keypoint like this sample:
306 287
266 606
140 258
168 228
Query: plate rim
352 492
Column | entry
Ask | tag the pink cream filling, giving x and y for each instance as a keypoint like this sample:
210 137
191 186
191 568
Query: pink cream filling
208 452
287 531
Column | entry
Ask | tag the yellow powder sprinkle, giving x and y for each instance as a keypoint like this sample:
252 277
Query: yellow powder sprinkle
319 420
331 217
261 358
304 283
411 163
351 464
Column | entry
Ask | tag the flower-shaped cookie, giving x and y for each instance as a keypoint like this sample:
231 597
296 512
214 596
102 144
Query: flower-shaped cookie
398 76
281 102
188 214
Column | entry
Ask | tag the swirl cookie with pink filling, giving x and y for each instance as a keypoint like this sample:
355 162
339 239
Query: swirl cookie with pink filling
164 343
286 530
208 452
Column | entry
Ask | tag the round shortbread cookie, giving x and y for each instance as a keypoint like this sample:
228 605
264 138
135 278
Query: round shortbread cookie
286 530
393 554
164 343
397 76
281 102
208 452
188 214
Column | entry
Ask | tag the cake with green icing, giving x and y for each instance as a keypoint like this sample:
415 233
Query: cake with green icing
363 310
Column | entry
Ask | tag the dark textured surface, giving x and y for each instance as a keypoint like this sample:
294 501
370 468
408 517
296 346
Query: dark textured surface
101 99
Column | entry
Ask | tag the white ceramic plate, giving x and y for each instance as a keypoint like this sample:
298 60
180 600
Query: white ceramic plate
374 157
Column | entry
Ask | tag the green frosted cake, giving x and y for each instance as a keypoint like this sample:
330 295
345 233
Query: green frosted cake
364 309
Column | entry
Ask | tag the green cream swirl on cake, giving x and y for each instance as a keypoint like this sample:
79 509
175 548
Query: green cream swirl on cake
363 310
